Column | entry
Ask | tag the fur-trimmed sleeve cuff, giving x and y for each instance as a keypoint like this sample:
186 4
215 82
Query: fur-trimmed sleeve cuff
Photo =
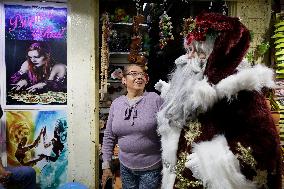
215 157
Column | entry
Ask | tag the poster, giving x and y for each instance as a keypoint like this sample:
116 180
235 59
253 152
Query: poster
39 139
35 55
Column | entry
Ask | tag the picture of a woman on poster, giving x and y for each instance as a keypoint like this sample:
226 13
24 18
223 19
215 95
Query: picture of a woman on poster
39 73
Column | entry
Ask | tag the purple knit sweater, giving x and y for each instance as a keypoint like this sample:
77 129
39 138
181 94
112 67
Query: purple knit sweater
136 130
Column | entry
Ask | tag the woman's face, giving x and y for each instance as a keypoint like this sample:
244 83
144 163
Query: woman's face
135 79
35 58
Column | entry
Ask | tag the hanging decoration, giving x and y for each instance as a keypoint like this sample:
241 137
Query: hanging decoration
166 27
188 26
225 8
104 55
138 6
210 6
135 56
218 6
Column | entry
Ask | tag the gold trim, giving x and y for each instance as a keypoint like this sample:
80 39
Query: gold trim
246 155
182 181
192 131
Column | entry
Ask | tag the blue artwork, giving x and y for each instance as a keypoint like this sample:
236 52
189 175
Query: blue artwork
45 132
53 173
35 23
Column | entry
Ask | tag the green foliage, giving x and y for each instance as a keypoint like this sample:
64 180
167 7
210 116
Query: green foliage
259 51
274 105
251 35
262 48
249 56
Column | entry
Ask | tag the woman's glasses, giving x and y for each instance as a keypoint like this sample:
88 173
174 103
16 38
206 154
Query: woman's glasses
136 74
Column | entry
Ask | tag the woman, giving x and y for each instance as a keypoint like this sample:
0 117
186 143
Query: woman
39 73
132 120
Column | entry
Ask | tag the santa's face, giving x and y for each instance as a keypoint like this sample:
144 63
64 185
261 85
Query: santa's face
202 59
190 51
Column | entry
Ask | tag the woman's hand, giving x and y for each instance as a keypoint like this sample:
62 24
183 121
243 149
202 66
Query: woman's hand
106 174
35 87
22 83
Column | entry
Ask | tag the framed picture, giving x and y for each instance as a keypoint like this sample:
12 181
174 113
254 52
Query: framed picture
35 55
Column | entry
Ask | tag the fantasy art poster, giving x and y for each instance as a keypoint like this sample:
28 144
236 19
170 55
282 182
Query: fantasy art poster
35 55
39 139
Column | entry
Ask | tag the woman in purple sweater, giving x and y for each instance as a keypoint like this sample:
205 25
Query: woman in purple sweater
132 121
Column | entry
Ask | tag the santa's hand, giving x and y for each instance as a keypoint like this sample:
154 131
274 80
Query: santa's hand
180 61
163 87
159 85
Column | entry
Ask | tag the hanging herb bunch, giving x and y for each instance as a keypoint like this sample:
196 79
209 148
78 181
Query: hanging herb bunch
188 26
104 55
166 27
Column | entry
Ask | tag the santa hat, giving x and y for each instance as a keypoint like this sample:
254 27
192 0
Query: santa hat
230 46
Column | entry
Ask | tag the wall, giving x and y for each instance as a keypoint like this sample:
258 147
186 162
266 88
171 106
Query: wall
83 91
256 16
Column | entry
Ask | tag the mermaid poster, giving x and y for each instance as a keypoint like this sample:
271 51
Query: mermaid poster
35 55
39 139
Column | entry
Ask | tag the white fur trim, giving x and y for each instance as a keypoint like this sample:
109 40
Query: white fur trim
168 179
169 140
203 97
249 79
215 165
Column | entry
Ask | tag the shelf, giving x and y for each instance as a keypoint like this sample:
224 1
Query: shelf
125 53
119 53
127 24
113 81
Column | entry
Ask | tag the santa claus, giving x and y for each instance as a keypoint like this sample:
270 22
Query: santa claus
216 129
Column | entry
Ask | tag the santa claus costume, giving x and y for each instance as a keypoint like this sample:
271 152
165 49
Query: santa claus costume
216 129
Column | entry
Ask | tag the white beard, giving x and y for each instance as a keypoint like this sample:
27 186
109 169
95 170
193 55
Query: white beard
182 80
173 113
